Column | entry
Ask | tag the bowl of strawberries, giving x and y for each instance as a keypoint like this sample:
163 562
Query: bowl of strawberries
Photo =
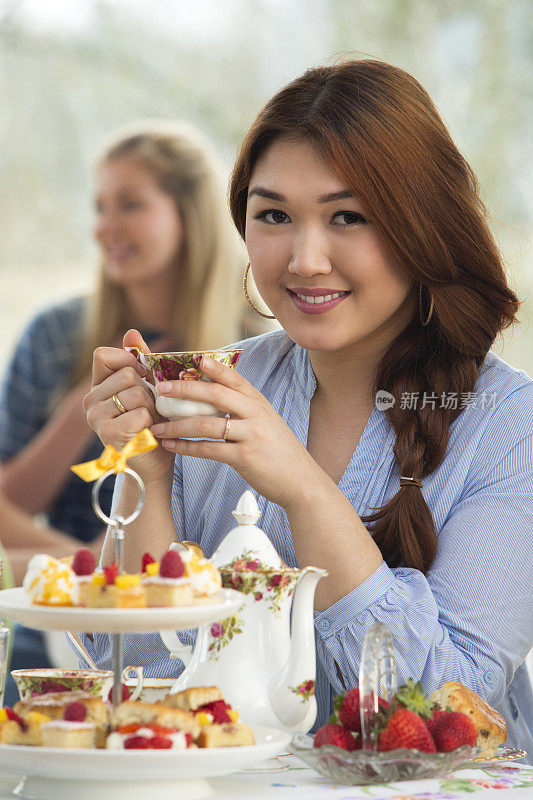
379 733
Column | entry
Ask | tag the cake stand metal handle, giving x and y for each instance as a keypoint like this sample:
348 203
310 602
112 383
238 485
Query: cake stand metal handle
117 525
377 678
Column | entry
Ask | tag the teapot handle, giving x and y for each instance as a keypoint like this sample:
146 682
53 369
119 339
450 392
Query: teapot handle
199 656
177 649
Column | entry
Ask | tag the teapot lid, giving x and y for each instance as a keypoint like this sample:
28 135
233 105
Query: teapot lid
246 542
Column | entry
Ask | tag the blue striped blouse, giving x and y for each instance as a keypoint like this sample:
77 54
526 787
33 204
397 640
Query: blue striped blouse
470 619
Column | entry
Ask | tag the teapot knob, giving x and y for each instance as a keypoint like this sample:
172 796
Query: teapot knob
247 511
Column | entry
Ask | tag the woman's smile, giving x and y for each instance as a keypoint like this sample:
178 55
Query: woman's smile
316 301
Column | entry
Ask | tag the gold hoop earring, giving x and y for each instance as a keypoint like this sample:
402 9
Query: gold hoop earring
424 324
245 290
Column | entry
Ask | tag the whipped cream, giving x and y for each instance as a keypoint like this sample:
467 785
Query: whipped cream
204 577
165 581
115 740
50 582
68 725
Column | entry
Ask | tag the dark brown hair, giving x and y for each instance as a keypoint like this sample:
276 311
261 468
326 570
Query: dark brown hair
381 133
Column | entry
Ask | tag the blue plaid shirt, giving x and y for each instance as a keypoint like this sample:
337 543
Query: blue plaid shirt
470 618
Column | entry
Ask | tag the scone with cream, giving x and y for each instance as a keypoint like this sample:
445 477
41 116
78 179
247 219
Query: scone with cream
219 721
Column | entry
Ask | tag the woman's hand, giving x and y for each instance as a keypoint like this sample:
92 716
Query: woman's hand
259 445
117 372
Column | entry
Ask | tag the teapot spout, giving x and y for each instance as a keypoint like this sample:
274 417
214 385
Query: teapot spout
292 690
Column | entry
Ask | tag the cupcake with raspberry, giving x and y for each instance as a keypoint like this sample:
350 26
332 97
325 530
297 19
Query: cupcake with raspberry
165 582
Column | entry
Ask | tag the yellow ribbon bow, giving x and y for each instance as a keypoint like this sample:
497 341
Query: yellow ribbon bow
115 459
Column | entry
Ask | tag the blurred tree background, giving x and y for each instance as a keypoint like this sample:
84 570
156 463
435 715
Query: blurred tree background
70 70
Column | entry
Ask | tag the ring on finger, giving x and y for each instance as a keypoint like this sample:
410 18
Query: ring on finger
226 429
119 404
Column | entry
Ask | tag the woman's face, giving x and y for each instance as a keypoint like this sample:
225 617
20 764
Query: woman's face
137 225
317 259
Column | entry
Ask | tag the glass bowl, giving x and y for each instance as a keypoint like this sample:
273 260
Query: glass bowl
369 766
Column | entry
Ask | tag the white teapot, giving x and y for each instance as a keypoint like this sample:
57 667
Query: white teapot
264 666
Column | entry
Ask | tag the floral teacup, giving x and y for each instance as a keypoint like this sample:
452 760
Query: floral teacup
33 682
184 366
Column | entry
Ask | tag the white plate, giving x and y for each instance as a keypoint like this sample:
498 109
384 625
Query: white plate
15 605
133 773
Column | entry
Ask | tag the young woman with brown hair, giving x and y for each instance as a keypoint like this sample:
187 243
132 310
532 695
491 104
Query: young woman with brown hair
388 443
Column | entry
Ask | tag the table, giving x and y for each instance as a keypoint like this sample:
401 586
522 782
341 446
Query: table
512 782
292 780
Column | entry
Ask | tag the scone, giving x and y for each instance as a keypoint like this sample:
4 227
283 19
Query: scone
491 726
54 705
194 698
27 731
233 734
60 733
134 712
219 721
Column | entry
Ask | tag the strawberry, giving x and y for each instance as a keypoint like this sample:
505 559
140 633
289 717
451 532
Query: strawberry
405 728
452 730
160 743
433 719
110 573
125 694
137 743
171 565
14 716
75 712
218 709
334 734
84 562
347 709
411 696
147 559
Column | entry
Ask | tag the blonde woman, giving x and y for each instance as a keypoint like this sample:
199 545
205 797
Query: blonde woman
170 266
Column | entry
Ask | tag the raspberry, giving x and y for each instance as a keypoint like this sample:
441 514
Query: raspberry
171 565
14 716
84 562
218 709
110 573
334 734
159 743
147 559
125 694
75 712
137 743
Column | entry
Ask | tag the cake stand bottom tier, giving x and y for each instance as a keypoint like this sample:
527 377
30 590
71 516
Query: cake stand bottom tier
56 789
52 773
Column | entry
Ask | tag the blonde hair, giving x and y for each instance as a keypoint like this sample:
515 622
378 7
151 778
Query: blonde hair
208 303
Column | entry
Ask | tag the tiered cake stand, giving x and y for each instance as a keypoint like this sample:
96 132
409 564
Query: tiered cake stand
59 774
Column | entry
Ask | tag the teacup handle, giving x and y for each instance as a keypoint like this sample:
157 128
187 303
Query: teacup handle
152 388
178 650
139 672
